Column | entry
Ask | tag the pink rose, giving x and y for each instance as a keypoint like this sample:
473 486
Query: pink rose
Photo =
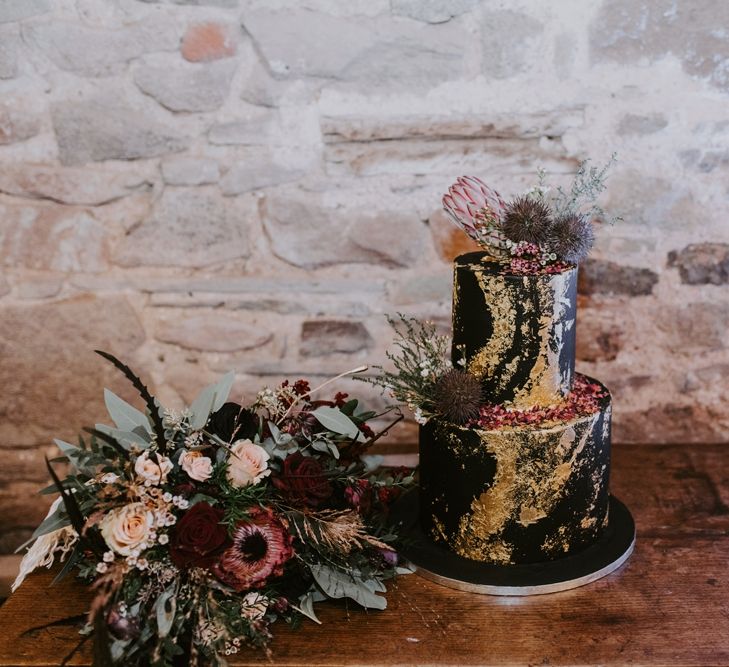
197 466
247 463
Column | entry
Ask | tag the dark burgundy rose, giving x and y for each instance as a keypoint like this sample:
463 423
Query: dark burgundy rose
302 480
198 538
233 422
388 494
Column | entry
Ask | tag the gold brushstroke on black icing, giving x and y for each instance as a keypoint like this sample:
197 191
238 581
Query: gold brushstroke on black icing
532 471
547 384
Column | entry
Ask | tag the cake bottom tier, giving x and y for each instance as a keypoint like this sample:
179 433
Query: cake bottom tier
516 495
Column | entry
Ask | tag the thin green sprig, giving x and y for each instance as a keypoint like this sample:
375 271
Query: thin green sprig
420 357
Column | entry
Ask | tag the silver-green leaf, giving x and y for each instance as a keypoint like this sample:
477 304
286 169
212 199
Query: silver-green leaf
337 584
336 421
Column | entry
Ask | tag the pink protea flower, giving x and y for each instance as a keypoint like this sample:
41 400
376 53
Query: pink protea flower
261 546
476 209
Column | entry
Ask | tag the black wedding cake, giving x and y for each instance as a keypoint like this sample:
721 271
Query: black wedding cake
514 445
527 481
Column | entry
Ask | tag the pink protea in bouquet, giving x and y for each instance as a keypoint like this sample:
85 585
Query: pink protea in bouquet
198 529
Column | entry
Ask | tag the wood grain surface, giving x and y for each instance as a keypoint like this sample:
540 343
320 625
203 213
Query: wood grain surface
669 605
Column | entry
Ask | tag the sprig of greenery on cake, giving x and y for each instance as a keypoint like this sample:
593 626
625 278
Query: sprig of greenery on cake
423 378
546 230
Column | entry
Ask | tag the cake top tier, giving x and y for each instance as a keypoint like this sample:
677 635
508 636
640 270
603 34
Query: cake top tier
515 332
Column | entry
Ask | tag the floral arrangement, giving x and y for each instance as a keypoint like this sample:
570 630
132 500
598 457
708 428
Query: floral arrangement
424 379
545 230
197 529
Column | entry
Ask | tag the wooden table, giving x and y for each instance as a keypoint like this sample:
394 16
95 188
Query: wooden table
668 605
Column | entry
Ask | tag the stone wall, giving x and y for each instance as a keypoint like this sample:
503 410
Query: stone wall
199 185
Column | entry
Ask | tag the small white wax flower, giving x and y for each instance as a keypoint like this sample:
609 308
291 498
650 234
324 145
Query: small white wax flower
101 567
163 539
109 478
167 496
142 564
108 556
425 372
183 504
419 417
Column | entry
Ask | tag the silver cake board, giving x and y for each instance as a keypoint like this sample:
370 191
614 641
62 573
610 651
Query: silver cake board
435 562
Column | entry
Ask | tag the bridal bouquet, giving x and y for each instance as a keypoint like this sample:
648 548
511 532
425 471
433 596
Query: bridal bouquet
197 529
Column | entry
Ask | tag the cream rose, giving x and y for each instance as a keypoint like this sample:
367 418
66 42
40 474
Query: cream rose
153 469
197 466
126 528
247 463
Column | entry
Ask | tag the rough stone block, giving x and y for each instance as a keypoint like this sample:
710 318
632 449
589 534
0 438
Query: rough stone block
189 228
307 231
320 338
672 422
51 378
598 276
52 238
211 331
16 10
9 46
702 325
203 42
227 4
68 185
17 123
202 87
528 125
362 49
92 130
637 124
432 11
511 42
702 263
254 131
627 31
256 173
97 52
190 171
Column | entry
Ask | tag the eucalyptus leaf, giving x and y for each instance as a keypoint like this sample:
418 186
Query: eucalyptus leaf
210 400
138 437
222 390
125 416
165 608
202 407
306 607
337 584
336 421
371 461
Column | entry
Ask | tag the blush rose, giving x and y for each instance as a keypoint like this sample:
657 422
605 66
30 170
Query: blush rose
197 466
247 463
127 528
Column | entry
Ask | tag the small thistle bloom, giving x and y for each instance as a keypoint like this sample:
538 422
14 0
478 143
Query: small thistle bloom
527 220
457 396
572 237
